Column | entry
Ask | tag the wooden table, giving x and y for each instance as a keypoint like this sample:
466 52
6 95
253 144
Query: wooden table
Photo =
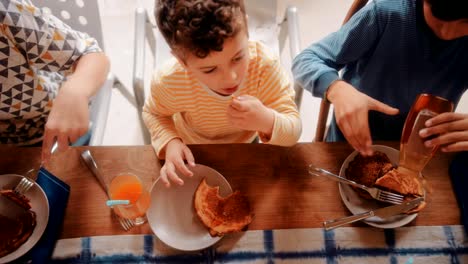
275 180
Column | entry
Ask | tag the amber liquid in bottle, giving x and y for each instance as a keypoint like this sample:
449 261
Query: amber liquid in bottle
414 155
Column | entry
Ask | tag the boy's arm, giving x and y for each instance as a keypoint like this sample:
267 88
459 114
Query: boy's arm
157 115
276 93
316 67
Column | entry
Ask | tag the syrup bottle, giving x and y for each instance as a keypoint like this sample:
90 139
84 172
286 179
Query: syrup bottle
413 154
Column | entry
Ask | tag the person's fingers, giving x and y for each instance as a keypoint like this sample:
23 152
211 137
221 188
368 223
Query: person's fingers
381 107
172 175
163 176
348 133
47 143
355 131
363 136
62 140
180 165
443 118
189 157
447 138
238 104
455 147
234 113
447 126
74 137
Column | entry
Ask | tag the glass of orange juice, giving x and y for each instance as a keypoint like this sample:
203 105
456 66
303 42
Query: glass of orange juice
128 186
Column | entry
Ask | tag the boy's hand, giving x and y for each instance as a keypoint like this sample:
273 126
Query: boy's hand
248 113
176 153
68 120
352 113
452 131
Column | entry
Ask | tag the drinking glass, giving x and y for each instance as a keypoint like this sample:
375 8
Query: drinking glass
414 155
128 186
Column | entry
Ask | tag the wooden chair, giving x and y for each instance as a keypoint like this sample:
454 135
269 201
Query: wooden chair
320 131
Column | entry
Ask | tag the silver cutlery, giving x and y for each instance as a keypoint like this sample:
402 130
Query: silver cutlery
382 213
126 224
27 182
23 186
376 193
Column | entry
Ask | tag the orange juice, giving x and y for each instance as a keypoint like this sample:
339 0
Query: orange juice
129 187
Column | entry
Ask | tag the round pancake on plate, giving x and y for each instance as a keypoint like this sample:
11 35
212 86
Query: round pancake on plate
15 230
172 215
221 215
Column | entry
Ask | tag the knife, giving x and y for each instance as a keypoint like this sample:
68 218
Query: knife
382 213
10 209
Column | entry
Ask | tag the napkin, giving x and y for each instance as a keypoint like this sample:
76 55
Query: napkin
459 174
57 193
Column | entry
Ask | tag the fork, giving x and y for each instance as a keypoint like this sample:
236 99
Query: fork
376 193
32 173
23 186
126 224
28 181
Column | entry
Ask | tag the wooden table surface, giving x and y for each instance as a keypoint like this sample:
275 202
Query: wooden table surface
274 179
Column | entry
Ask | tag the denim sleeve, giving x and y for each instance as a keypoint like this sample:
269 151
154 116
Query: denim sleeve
316 67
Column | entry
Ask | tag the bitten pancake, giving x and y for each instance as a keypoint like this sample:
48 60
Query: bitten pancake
221 215
408 185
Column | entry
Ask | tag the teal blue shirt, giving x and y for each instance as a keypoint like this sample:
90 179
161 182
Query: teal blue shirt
388 52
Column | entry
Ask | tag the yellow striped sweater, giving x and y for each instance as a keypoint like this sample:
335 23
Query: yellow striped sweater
181 107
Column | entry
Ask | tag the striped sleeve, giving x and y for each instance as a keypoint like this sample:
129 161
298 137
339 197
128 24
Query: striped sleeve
316 67
276 92
157 115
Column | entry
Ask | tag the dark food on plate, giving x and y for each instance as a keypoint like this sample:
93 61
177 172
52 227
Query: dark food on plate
378 171
20 200
15 232
366 170
221 215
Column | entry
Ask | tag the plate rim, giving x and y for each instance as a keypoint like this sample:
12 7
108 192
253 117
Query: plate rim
15 255
214 239
341 186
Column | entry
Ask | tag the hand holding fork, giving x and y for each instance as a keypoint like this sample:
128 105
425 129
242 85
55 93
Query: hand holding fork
27 182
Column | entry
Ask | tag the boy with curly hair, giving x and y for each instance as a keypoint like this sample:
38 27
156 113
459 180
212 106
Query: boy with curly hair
221 88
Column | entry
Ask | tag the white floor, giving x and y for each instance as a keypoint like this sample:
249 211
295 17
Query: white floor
317 19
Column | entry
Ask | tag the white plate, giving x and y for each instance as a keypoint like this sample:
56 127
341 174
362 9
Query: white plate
39 204
171 214
356 204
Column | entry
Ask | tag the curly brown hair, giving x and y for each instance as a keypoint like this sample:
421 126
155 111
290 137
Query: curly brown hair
199 26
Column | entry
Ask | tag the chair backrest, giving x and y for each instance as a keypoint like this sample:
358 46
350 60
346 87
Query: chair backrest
325 105
81 15
262 23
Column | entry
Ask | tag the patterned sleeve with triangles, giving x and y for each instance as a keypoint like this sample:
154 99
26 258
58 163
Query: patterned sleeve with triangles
47 43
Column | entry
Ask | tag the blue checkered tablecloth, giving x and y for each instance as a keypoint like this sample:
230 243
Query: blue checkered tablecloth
406 245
